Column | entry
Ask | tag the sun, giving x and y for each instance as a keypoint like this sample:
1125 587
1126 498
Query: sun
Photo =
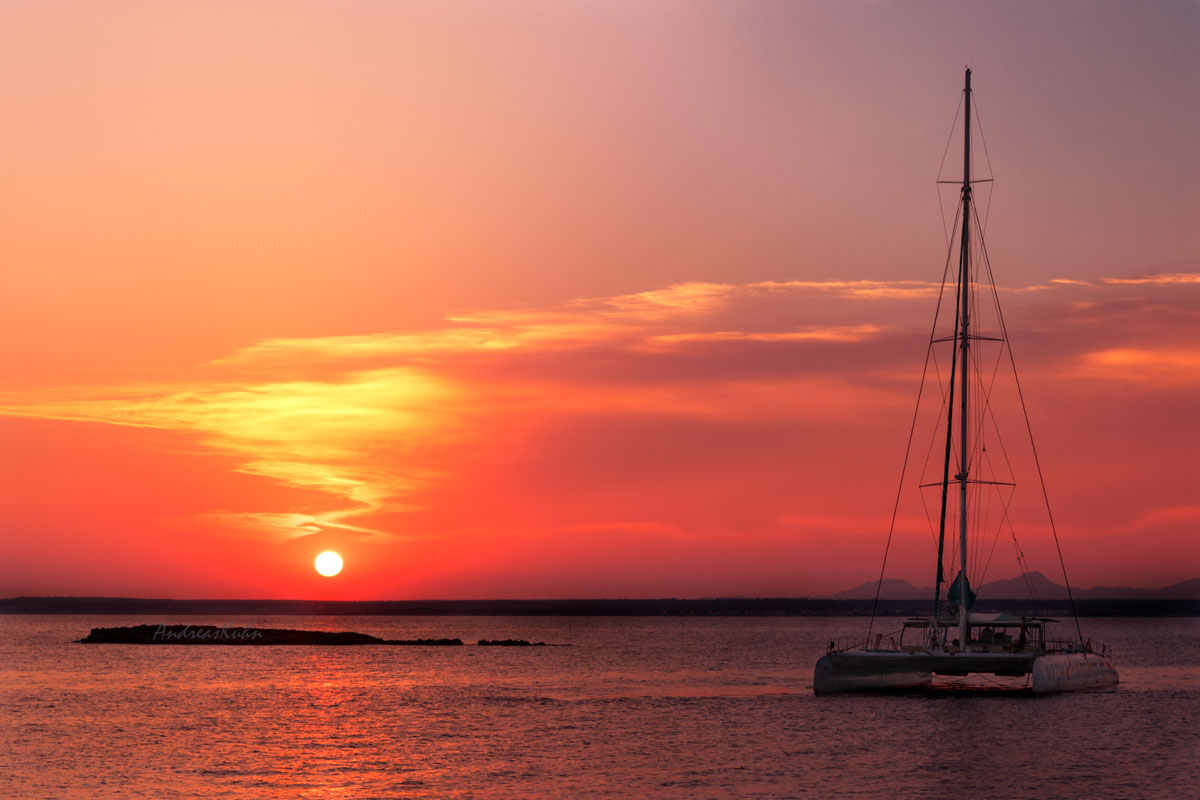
328 563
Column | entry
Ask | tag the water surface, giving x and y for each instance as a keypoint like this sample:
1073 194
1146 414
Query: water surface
637 707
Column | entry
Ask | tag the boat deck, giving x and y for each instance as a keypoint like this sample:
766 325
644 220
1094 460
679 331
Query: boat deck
874 662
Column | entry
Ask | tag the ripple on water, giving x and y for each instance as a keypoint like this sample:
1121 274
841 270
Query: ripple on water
637 708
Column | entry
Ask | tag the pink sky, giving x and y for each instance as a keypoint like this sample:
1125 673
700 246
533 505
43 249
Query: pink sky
544 299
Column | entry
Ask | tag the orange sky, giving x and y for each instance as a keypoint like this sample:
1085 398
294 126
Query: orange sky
544 299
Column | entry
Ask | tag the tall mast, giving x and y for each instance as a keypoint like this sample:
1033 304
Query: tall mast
964 283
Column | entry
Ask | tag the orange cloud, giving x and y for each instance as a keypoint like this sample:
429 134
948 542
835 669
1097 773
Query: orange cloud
691 298
376 422
589 321
845 333
1159 516
862 289
641 315
1165 366
305 434
1164 279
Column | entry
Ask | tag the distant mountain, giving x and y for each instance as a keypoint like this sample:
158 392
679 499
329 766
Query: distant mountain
1184 590
1019 589
893 589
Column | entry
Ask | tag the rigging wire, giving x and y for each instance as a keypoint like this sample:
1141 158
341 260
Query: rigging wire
1022 561
1033 447
978 453
1005 503
942 409
987 458
925 472
912 430
958 299
985 412
941 166
929 521
987 157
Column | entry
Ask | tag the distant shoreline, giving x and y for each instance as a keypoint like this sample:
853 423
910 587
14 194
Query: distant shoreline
712 607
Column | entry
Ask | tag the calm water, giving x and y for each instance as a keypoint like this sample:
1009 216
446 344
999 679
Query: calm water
638 707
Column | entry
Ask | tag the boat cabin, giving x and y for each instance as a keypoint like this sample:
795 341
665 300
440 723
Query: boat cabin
989 633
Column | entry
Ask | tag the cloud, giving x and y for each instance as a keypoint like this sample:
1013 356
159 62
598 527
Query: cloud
629 526
844 333
597 321
1165 279
508 332
323 436
375 421
1171 366
865 289
270 524
691 298
584 322
1167 515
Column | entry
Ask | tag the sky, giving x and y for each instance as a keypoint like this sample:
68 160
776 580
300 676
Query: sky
525 298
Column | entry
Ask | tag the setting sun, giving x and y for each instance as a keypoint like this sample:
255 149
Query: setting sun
328 563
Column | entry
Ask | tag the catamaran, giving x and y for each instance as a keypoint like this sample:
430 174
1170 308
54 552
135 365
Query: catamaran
953 640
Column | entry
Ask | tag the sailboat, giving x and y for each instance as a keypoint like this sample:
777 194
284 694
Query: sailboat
953 640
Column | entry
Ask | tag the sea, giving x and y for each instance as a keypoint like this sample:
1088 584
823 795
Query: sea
634 707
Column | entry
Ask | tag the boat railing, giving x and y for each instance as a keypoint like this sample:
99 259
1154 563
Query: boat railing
847 643
888 642
1074 646
878 641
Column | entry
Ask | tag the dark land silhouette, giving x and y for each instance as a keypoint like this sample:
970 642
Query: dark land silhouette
1036 586
250 636
720 606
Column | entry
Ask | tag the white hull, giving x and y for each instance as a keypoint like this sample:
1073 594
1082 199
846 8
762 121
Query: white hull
833 678
1074 672
866 670
831 683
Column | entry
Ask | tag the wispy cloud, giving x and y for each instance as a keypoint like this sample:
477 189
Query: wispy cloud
630 526
690 298
842 333
633 317
323 436
1169 366
271 525
865 289
1167 515
1166 279
373 421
